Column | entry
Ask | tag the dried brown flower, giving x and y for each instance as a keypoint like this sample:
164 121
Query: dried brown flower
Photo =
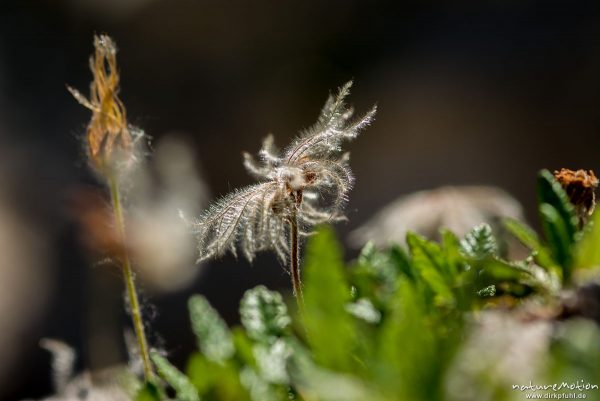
580 186
109 139
112 152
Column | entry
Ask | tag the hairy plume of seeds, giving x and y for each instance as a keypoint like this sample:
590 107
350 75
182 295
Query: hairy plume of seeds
308 181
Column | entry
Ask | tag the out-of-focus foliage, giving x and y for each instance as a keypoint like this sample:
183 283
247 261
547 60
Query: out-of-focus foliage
180 382
437 321
564 247
112 144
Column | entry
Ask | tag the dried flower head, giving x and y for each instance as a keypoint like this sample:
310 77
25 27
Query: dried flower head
112 149
110 141
305 184
580 186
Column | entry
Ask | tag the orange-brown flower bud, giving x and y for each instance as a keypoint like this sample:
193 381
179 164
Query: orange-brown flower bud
580 186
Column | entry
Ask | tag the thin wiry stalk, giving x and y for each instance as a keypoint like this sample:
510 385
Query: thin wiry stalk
295 259
136 315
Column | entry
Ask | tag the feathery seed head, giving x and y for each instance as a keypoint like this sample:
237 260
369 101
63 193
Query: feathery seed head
309 180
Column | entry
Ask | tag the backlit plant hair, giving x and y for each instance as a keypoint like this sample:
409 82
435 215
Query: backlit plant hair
112 147
305 184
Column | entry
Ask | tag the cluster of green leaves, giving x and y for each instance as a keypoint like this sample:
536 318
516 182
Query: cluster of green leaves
388 326
564 247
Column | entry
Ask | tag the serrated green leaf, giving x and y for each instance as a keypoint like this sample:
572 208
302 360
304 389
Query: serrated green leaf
530 239
558 237
428 260
406 314
264 315
559 221
488 291
401 261
587 251
272 360
212 334
367 253
329 328
181 384
518 278
409 355
376 273
149 392
257 386
499 270
215 381
376 260
201 372
426 249
363 309
551 192
479 243
316 383
243 346
451 248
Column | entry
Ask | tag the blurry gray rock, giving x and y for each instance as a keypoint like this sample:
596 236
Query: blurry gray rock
168 188
456 208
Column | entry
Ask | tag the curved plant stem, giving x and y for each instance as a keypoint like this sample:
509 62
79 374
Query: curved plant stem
295 259
134 304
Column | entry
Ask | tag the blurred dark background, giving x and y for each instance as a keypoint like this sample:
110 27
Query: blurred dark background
482 92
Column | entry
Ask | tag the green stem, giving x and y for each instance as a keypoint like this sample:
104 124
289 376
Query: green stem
295 259
128 275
